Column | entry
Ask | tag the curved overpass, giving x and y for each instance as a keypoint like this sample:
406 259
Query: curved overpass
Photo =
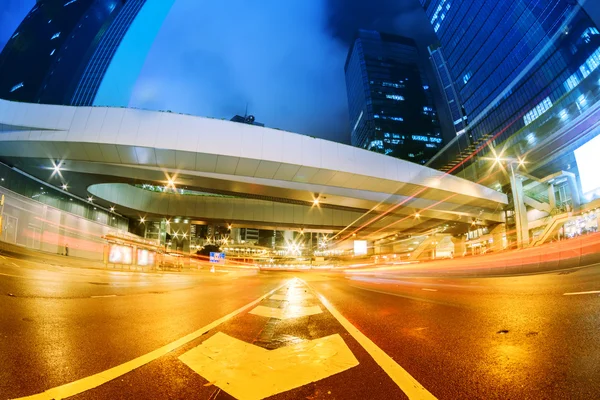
103 149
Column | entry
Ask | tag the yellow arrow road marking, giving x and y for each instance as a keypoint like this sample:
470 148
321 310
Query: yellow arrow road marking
287 312
93 381
293 297
249 372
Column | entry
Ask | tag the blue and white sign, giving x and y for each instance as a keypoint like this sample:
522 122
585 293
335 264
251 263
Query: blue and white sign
217 257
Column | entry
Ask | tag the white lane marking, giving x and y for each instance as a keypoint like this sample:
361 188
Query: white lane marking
93 381
288 312
429 290
4 258
576 293
292 298
407 297
107 295
249 372
409 385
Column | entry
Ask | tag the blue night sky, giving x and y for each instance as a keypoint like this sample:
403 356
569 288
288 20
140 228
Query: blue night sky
284 59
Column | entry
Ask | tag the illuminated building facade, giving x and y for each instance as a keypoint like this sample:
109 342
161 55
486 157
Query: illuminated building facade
511 64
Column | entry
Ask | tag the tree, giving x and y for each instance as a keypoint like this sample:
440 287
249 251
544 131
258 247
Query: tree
207 249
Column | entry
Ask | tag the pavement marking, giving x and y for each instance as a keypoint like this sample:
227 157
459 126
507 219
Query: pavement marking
409 385
442 303
106 295
429 290
4 258
18 266
249 372
576 293
93 381
294 297
288 312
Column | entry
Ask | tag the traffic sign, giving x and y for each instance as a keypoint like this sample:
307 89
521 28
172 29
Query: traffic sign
217 257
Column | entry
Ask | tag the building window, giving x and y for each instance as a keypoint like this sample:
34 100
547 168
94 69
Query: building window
69 2
467 77
537 111
394 85
52 52
15 35
572 82
588 33
396 97
17 87
55 36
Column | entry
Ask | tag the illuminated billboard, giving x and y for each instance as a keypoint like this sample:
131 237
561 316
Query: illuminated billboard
587 163
120 254
145 257
360 247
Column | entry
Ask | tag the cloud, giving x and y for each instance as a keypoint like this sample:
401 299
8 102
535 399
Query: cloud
212 59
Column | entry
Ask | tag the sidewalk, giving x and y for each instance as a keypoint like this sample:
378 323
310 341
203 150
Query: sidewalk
23 253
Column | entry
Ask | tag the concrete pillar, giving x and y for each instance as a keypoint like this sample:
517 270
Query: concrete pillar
497 236
522 223
574 189
460 245
551 196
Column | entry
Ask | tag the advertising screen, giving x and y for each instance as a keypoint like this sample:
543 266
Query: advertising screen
145 257
587 163
120 254
360 247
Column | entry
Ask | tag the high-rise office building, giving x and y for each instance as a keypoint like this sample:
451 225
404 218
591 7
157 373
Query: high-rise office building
61 52
103 53
46 51
390 103
510 63
449 92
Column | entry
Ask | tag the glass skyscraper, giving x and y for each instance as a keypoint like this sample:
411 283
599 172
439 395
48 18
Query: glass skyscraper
457 110
512 63
390 104
103 54
62 50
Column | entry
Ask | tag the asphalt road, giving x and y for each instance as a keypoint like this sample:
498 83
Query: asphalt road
326 336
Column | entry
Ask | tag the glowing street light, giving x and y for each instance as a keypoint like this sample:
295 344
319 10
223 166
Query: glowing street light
112 209
90 199
142 220
65 186
417 215
56 169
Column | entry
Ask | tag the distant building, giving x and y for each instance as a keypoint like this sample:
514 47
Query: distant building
249 119
249 235
390 103
62 51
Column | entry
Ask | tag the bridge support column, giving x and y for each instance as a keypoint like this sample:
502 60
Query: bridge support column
522 224
460 245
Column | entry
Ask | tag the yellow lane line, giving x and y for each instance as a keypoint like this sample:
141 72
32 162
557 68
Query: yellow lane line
409 385
93 381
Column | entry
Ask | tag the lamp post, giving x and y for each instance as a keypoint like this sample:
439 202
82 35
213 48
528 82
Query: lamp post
516 185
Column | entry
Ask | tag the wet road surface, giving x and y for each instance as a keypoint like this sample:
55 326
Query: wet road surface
93 334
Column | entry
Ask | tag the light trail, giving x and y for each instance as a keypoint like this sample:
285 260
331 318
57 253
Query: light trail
449 172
